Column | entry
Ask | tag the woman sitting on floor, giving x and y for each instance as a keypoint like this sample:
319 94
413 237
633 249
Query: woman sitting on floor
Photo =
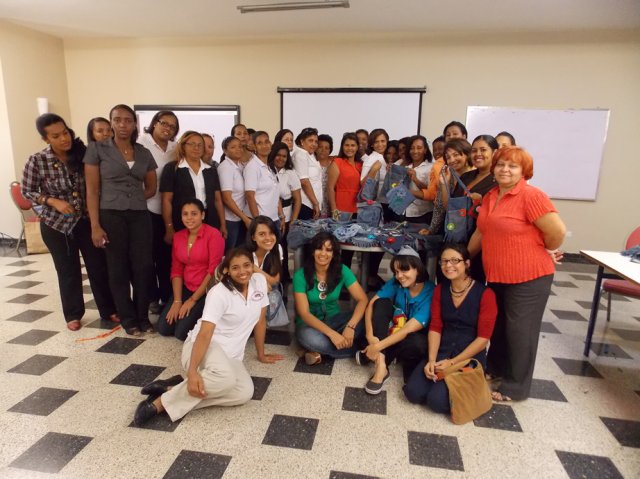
321 328
197 251
463 313
215 373
396 318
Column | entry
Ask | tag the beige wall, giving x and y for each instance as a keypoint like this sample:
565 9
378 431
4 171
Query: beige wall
32 66
601 70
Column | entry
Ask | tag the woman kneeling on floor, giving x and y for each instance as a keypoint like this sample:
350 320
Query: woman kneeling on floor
396 318
213 362
321 328
463 313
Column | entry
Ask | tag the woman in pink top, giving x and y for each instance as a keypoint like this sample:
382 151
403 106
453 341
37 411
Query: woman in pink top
519 231
197 251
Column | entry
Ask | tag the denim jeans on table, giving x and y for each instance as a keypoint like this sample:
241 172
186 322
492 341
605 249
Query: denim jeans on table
313 340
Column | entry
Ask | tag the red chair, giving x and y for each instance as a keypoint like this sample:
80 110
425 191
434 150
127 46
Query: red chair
25 207
622 286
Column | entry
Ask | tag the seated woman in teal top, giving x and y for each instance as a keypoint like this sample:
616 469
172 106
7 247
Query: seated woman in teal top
396 320
321 327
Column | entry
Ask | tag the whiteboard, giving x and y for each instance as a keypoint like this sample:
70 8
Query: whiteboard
216 120
335 111
567 145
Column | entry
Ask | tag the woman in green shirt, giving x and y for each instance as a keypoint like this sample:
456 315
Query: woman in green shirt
321 328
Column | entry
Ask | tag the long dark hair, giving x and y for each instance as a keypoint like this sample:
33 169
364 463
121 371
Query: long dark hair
272 263
353 137
335 267
234 253
275 149
78 148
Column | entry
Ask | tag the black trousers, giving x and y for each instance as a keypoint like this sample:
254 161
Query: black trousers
306 213
410 351
514 343
65 251
160 286
129 262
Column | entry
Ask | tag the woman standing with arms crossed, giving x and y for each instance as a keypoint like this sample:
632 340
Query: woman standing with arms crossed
54 179
519 232
121 175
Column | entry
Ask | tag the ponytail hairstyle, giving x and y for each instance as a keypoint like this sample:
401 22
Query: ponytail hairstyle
78 148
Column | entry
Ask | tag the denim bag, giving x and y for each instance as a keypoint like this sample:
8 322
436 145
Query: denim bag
395 176
458 222
368 190
369 214
400 197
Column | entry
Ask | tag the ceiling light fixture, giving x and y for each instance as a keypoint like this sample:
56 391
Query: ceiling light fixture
277 7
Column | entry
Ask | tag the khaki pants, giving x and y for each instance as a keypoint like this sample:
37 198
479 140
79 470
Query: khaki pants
226 383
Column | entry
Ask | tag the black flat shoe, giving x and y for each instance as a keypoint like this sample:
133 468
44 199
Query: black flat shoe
161 386
145 411
131 330
146 327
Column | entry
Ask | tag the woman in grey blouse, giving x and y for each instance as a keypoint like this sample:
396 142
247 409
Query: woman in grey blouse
120 176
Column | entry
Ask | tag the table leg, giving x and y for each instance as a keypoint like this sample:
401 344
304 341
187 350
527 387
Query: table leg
364 269
595 305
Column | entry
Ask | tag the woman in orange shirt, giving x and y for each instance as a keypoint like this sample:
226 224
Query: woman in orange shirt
519 231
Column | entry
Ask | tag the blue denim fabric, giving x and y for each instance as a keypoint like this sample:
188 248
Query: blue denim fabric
346 232
313 340
395 176
369 214
400 198
368 191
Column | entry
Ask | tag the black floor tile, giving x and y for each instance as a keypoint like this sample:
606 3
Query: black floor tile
260 386
120 346
564 284
161 423
577 367
547 327
434 450
325 367
85 277
357 400
348 475
138 375
280 338
102 324
609 350
627 334
501 417
583 277
91 304
24 284
545 389
291 431
27 298
33 337
43 401
21 263
37 365
625 431
198 465
29 316
587 305
22 273
585 466
568 315
51 453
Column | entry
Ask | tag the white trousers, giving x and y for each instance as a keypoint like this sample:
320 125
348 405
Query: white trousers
226 383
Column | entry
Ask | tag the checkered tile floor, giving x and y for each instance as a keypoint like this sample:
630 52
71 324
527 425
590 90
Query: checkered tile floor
67 402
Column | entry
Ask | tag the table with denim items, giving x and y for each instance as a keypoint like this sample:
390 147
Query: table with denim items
354 236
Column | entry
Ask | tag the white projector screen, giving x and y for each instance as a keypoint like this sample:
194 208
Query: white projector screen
567 145
216 120
335 111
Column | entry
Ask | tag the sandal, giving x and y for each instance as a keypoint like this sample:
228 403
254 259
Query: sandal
74 325
312 358
114 318
497 396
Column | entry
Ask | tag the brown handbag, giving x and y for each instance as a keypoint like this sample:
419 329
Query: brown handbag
469 393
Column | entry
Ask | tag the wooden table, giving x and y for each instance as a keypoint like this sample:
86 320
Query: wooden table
621 266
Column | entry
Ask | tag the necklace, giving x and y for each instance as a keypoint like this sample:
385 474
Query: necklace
462 292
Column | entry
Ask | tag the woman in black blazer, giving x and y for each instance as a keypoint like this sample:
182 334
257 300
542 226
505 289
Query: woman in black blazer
190 177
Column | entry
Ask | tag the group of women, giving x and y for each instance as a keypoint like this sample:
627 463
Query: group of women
165 241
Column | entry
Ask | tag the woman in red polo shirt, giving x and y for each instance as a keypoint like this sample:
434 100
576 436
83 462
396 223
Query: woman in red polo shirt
519 231
197 251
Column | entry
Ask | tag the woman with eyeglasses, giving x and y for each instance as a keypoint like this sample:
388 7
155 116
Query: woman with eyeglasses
284 136
463 314
54 179
190 177
321 327
395 320
309 171
519 232
121 176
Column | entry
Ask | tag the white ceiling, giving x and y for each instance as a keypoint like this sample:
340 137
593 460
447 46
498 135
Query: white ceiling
220 18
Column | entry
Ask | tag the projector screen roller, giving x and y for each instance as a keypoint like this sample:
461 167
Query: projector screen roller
335 111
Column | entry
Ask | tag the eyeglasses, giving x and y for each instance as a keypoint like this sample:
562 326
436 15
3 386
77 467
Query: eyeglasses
165 124
195 145
453 261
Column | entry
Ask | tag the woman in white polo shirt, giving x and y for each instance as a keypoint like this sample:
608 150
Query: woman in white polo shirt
261 189
310 173
216 375
232 188
420 211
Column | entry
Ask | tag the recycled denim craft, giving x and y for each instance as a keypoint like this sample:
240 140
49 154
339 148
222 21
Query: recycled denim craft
369 213
458 222
368 190
400 198
395 176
